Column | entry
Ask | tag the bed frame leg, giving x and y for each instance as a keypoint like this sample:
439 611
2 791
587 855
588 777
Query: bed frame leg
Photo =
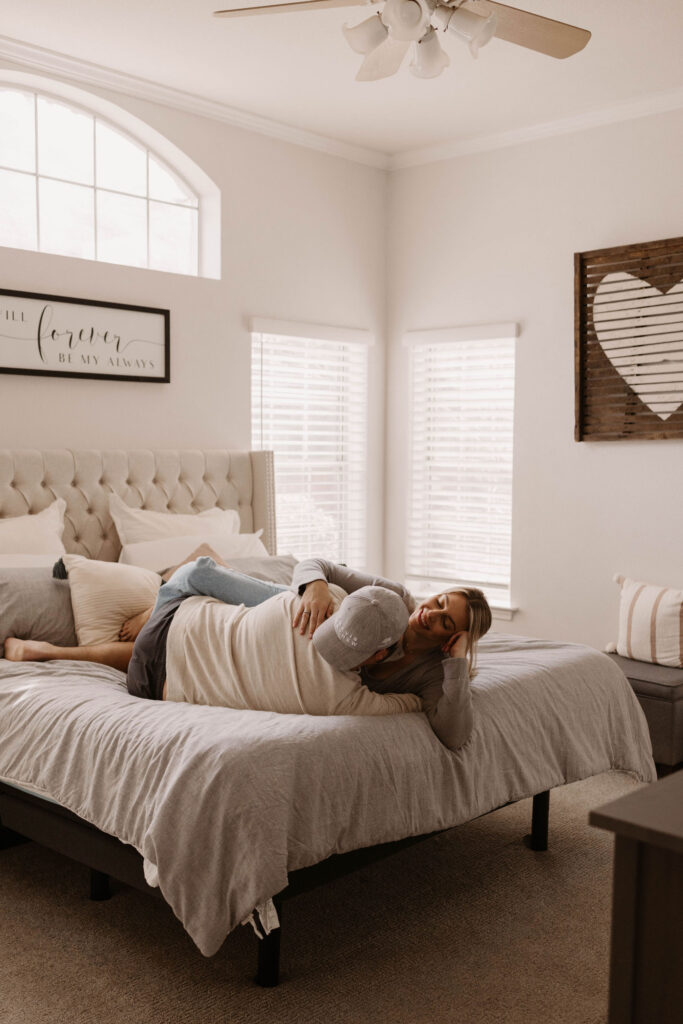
9 838
99 885
538 840
268 968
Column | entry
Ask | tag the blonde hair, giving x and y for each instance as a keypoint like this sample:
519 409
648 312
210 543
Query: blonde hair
480 619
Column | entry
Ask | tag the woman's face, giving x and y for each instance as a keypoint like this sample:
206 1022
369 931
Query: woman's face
439 617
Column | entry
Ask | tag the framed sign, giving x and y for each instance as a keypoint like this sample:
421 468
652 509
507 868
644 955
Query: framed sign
54 336
628 313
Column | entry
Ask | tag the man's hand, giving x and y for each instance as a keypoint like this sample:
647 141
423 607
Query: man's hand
457 646
315 606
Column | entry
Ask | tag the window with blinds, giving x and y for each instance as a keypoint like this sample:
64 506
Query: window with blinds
309 406
460 514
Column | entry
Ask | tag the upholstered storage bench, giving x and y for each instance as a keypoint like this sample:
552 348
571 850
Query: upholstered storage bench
660 692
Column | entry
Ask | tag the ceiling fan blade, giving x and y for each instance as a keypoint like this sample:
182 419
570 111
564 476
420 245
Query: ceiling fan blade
533 31
383 61
298 5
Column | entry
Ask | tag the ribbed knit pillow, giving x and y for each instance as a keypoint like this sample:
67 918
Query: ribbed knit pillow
650 623
105 594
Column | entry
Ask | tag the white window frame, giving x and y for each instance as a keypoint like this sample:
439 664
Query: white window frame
500 597
166 153
358 527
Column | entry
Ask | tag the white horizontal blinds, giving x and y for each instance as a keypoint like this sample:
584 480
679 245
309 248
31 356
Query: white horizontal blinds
460 515
309 405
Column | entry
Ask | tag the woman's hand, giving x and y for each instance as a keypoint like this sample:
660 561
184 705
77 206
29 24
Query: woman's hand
315 606
456 646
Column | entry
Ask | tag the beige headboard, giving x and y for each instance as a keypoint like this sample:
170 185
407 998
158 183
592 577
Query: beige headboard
164 480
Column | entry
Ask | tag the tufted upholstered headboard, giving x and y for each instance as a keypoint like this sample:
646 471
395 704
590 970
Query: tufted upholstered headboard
173 480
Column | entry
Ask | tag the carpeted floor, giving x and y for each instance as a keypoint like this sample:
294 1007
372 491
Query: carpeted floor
470 927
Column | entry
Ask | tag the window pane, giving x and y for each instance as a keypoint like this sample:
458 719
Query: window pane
163 184
17 130
121 163
460 516
65 141
121 229
17 210
67 220
172 238
316 423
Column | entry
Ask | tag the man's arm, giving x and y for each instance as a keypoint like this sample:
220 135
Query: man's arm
362 701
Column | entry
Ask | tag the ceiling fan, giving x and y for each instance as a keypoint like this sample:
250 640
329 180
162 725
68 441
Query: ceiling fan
385 37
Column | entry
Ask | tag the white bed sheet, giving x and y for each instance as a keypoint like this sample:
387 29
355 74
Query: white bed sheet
224 803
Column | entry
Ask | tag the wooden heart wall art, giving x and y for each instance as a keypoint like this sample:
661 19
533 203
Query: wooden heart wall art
629 342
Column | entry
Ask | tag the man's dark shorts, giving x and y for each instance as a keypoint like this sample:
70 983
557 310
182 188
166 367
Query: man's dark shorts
147 668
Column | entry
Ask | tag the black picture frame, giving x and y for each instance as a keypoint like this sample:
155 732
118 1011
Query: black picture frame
93 347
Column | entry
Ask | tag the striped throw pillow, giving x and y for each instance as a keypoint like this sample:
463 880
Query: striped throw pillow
650 623
105 594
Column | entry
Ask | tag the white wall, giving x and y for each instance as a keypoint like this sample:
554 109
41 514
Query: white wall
488 238
303 239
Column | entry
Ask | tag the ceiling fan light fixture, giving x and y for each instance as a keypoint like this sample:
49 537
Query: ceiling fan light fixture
407 20
472 28
429 59
366 36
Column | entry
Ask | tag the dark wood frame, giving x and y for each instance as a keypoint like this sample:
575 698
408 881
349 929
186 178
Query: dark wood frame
617 411
164 313
24 816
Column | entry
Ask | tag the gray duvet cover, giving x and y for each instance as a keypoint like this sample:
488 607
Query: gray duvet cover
223 803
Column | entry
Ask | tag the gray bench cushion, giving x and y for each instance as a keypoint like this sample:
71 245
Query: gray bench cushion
660 692
655 680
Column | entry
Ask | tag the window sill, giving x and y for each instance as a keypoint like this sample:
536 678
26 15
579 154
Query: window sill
501 612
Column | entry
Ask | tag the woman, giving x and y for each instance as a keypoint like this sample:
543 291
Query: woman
437 655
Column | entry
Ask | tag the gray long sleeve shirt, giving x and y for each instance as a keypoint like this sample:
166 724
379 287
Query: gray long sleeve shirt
442 683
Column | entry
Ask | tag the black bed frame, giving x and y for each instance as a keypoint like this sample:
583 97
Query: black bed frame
24 817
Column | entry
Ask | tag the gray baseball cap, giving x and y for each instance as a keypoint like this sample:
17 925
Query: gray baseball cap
366 621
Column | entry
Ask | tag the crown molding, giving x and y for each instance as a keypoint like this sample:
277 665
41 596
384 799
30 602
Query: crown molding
655 103
49 62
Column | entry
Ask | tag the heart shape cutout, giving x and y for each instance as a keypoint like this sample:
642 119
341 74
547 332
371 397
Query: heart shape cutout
640 330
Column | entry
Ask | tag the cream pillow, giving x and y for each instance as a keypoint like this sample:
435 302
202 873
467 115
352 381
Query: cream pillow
105 594
136 525
650 623
36 534
160 554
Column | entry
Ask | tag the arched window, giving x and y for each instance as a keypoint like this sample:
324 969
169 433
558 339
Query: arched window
75 181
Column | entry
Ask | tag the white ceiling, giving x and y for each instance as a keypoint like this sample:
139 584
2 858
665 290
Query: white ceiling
298 69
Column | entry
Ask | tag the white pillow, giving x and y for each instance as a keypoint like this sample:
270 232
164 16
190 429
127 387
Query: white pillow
136 525
105 594
159 555
650 623
36 534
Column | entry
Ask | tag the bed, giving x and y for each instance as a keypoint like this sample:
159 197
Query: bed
226 813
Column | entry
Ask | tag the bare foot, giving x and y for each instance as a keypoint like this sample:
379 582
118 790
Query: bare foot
131 627
28 650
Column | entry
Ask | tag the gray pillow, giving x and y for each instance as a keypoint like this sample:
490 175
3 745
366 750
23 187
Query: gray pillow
34 606
274 568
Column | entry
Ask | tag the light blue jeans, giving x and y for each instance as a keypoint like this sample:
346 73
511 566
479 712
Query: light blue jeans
204 578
